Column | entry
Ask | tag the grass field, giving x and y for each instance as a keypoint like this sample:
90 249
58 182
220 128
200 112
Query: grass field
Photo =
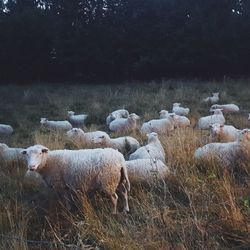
198 206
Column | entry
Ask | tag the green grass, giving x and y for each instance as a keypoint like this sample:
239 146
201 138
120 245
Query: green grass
196 207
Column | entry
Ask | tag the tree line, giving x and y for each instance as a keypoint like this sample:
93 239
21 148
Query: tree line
122 39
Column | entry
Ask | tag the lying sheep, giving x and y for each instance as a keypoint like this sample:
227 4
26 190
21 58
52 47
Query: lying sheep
125 145
229 154
180 110
124 125
77 120
160 126
58 126
179 121
217 117
164 114
146 169
153 150
226 108
80 138
223 133
5 130
120 113
212 99
86 170
10 155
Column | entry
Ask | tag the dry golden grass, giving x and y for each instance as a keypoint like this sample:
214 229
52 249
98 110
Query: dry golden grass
198 206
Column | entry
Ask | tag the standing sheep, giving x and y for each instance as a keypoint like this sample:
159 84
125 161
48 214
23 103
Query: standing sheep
58 126
229 154
77 120
180 110
226 108
217 117
120 113
125 144
212 99
86 170
78 137
153 150
223 133
5 130
146 169
10 155
124 125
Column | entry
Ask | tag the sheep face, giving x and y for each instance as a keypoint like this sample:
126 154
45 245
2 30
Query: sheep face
152 136
176 104
215 129
216 94
99 140
36 156
43 120
75 132
70 113
3 147
134 116
245 135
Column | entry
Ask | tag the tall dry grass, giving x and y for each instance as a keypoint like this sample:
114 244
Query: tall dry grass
198 206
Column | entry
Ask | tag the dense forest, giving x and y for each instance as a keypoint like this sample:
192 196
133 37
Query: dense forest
123 39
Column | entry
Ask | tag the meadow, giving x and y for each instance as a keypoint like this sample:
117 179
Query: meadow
198 206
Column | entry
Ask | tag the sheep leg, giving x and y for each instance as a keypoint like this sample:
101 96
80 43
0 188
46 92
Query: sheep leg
114 199
124 193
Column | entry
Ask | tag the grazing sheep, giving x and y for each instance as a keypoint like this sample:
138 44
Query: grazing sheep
212 99
124 125
228 154
180 110
223 133
86 170
58 126
5 130
125 145
77 120
153 150
80 138
146 169
10 155
160 126
217 117
120 113
226 108
181 121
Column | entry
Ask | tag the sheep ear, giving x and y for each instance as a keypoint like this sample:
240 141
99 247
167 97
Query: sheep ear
24 152
45 150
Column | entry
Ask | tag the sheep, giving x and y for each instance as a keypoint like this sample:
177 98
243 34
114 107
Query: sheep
226 108
58 126
153 150
212 99
249 117
10 155
217 117
164 114
77 120
124 124
181 121
120 113
146 169
80 138
86 170
125 145
180 110
228 154
223 133
5 130
160 126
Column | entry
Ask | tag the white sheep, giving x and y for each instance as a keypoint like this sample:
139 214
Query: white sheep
77 120
58 126
5 130
153 150
120 113
80 138
228 154
206 121
10 155
164 114
86 170
223 133
180 110
124 125
160 126
146 169
125 144
249 117
179 121
212 99
226 108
